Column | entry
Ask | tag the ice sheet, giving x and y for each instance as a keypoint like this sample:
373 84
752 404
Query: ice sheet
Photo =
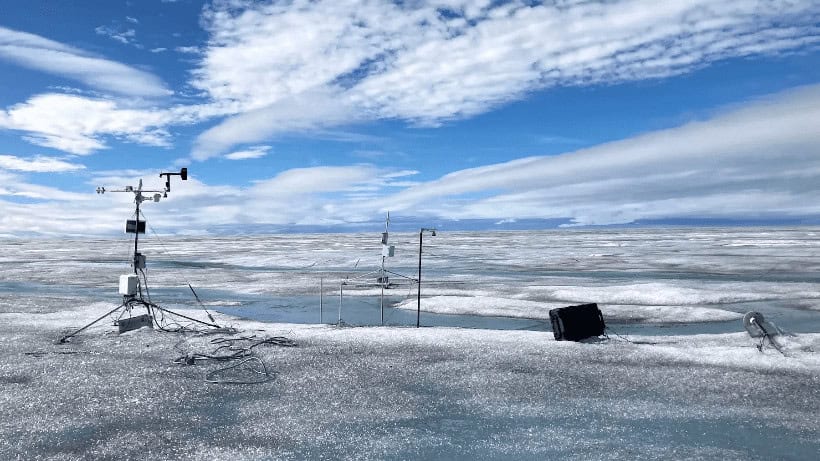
387 393
429 393
505 307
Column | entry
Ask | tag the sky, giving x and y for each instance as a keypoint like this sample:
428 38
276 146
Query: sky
326 114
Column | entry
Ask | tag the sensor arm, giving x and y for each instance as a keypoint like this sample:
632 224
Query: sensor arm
183 174
138 191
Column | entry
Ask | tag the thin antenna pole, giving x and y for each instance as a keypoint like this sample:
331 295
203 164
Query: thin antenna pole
136 235
418 293
382 281
321 297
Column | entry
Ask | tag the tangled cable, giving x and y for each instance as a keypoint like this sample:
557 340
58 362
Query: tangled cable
248 368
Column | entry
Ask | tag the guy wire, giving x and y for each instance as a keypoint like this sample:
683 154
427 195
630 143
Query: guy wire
162 244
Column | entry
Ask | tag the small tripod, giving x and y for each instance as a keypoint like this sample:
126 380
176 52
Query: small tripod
131 285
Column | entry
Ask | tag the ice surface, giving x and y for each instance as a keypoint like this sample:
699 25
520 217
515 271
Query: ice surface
387 393
505 307
429 393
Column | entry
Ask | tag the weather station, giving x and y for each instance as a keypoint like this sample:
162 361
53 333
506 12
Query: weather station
133 287
382 274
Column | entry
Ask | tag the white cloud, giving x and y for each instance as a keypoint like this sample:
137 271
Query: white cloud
318 195
78 124
763 160
39 164
757 161
259 54
119 34
464 70
16 186
307 113
309 66
250 153
51 211
188 49
35 52
415 61
299 181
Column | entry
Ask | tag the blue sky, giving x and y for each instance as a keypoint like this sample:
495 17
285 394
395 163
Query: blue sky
326 114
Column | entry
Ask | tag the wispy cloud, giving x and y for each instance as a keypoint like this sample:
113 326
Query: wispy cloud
429 62
310 66
42 54
117 33
318 67
761 160
309 112
370 154
249 153
39 164
78 124
319 195
188 49
472 62
13 216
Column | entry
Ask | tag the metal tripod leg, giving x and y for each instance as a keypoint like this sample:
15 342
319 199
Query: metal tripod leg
66 337
184 316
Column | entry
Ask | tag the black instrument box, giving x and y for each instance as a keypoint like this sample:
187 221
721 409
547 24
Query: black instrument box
574 323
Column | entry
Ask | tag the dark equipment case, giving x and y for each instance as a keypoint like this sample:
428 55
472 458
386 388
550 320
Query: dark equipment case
574 323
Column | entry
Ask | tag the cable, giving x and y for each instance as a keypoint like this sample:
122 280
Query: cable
607 329
200 303
144 273
232 349
187 282
210 377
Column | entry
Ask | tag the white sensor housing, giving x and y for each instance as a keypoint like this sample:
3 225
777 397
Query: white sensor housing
128 284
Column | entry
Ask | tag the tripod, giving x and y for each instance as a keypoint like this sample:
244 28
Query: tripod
131 286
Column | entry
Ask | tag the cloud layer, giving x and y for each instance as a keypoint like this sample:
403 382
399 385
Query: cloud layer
431 61
758 161
38 164
312 66
763 160
278 67
79 125
42 54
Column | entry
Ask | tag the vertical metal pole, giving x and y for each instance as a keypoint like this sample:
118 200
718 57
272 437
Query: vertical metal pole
418 293
382 283
136 251
136 235
341 289
321 297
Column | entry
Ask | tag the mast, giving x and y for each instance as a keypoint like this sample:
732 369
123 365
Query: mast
137 233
